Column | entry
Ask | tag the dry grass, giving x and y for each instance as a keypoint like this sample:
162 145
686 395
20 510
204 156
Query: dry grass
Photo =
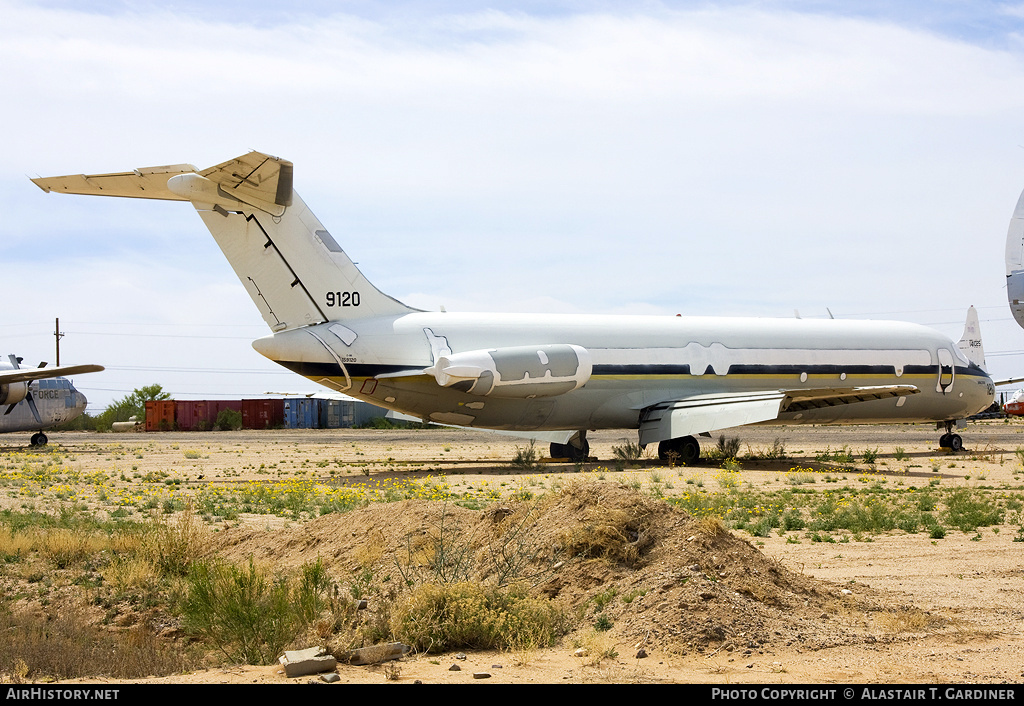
436 618
65 647
15 544
371 549
711 526
65 547
127 574
906 619
615 535
595 647
178 544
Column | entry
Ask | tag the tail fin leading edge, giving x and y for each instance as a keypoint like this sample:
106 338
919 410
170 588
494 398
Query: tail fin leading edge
294 270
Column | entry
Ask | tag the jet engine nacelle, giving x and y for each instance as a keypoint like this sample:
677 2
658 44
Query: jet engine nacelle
516 371
13 393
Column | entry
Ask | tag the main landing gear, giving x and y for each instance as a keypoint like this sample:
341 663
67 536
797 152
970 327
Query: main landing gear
951 441
685 450
577 449
38 439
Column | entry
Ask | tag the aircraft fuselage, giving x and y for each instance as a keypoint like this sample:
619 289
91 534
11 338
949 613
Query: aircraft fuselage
639 362
56 400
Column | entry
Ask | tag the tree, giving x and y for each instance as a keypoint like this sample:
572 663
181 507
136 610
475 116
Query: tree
134 405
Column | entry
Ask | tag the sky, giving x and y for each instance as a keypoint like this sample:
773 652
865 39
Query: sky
771 159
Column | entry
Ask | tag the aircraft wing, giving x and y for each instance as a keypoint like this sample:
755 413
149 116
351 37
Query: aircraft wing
29 374
556 437
706 413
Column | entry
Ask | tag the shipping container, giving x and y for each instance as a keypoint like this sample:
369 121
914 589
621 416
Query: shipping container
192 415
336 414
160 415
302 413
201 415
218 406
364 412
262 414
347 413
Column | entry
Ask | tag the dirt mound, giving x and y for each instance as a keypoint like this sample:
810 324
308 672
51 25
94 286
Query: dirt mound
659 576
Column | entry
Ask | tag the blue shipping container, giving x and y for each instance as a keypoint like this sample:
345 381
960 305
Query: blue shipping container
302 413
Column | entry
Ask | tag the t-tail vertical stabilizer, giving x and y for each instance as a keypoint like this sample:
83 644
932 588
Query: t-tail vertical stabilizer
294 270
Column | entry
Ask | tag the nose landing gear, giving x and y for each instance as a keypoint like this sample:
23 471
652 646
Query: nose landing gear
951 441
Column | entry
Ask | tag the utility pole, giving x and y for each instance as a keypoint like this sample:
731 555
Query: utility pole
58 335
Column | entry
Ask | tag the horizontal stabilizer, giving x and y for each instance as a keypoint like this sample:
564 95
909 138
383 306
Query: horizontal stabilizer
148 183
254 179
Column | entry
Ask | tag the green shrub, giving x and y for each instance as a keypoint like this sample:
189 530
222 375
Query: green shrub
229 420
628 452
247 613
967 510
526 458
728 448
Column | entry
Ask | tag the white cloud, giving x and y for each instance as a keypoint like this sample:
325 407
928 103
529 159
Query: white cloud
730 160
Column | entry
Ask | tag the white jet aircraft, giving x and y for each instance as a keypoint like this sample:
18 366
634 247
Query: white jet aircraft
1015 262
39 398
550 377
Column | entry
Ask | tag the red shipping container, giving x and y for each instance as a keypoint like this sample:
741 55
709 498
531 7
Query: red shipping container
215 407
262 414
160 415
192 415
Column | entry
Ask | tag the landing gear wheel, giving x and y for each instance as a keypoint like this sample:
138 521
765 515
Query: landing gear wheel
685 450
953 442
39 439
571 452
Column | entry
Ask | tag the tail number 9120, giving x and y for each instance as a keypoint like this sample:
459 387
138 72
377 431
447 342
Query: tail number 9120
343 299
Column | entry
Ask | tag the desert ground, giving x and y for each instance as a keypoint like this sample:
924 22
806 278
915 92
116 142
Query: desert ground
749 606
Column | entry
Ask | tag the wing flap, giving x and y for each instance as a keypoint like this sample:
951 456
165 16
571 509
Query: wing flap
702 414
706 413
800 400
